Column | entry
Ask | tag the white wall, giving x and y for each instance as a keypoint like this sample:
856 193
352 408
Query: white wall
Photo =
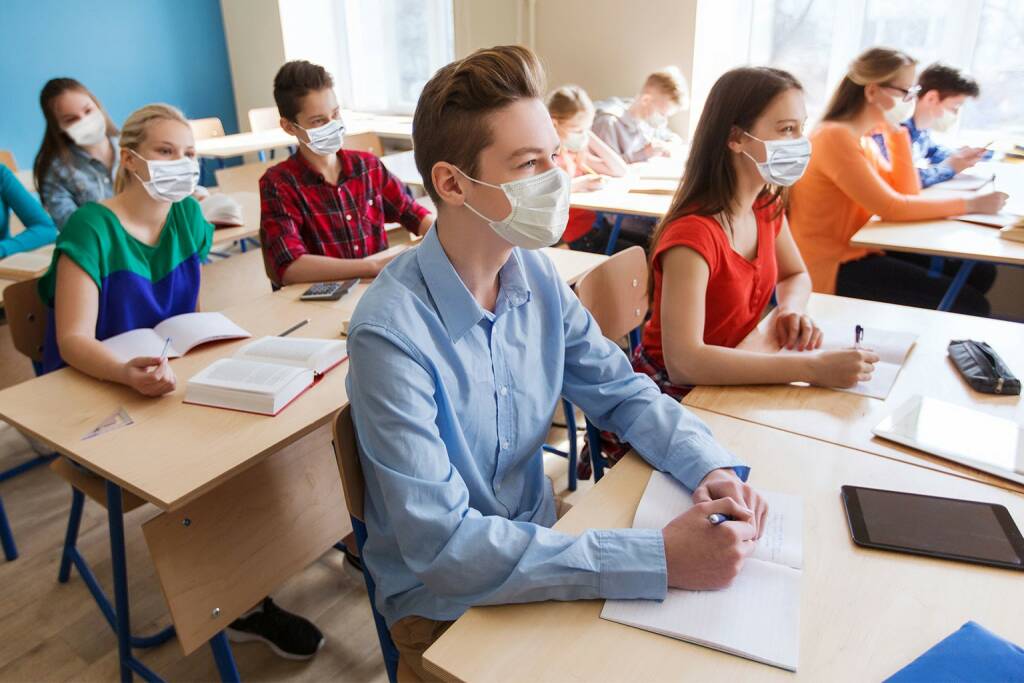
255 51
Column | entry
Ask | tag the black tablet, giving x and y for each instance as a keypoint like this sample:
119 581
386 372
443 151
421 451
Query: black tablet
948 528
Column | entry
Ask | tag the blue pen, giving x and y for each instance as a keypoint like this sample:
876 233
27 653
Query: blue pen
167 344
858 336
717 518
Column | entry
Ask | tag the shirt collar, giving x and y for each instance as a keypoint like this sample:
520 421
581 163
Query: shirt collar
458 309
309 175
912 128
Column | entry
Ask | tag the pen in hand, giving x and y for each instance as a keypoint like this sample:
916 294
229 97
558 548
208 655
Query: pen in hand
167 345
858 336
717 518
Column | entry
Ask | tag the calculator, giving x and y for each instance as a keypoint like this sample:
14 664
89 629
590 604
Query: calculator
328 291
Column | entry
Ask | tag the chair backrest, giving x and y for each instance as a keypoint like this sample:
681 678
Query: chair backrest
264 118
7 159
244 178
203 129
27 315
365 142
351 469
615 292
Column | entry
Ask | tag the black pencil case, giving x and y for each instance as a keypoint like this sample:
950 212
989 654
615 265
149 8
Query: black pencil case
982 367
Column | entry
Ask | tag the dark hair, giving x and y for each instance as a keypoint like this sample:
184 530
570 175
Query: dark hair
875 65
56 142
295 80
450 120
947 81
709 181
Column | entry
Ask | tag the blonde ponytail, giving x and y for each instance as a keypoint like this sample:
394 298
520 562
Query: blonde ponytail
875 65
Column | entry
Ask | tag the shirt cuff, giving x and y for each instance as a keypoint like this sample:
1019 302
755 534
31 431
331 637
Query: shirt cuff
632 564
699 456
413 216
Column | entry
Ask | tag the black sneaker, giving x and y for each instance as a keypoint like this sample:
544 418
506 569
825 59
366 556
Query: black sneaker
288 635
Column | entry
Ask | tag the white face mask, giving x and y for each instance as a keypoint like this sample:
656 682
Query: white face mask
899 113
169 180
574 142
89 130
540 209
325 140
657 121
785 160
947 119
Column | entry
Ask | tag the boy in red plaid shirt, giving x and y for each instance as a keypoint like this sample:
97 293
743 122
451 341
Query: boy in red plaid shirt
323 209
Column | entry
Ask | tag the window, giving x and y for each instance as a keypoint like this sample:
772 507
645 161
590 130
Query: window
381 52
816 40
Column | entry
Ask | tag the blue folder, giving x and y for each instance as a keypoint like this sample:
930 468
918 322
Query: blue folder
970 654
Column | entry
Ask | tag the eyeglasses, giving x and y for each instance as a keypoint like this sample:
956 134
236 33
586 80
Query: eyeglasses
908 95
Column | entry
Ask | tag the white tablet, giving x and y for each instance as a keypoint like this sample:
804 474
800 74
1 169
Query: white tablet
973 438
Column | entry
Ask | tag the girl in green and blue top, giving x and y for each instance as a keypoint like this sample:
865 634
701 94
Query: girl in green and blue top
39 228
132 260
78 158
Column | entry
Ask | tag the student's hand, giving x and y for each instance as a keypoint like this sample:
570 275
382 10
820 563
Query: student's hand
990 202
725 483
843 368
796 331
656 150
965 157
588 183
702 556
150 376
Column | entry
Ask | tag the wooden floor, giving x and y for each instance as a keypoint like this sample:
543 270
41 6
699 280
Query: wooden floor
55 632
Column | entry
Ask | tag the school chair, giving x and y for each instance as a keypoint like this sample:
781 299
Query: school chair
204 129
27 316
7 159
364 142
222 552
264 118
347 453
244 178
615 293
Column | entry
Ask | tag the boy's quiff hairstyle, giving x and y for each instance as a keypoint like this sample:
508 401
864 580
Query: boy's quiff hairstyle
450 123
295 80
671 82
947 81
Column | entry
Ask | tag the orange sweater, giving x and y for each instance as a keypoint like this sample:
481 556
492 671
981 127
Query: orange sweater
847 182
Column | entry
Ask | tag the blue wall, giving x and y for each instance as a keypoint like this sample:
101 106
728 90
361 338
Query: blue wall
127 52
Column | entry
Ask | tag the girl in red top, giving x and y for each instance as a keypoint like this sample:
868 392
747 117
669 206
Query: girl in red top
585 157
725 246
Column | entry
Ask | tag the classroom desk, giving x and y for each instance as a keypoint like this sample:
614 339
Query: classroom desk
864 613
250 229
847 419
402 165
356 123
944 238
26 265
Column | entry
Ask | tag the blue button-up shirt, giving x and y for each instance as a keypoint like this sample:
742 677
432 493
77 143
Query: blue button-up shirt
452 404
928 154
82 179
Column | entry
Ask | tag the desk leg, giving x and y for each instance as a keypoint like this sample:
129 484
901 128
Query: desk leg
10 550
122 621
613 237
949 298
224 659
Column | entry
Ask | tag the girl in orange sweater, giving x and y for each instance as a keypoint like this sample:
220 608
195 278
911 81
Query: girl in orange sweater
848 181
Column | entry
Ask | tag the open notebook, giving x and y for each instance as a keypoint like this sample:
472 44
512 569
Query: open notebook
186 332
758 616
266 375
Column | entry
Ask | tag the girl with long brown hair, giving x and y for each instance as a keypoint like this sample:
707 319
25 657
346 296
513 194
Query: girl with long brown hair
849 181
78 157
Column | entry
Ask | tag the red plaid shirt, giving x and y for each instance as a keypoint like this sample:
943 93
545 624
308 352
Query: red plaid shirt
300 213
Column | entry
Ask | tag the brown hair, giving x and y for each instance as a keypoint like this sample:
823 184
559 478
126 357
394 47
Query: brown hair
875 65
56 143
450 122
134 132
671 82
947 81
568 101
295 80
709 181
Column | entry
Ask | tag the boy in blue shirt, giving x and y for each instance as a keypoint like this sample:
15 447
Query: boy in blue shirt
460 351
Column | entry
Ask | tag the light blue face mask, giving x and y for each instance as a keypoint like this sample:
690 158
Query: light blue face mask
785 160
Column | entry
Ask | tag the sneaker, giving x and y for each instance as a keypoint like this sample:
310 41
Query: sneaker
288 635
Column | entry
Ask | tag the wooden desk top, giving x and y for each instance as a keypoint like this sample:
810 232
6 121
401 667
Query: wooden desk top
947 238
619 198
402 165
864 613
237 144
26 265
175 452
847 419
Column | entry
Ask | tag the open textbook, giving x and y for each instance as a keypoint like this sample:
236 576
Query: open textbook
266 375
758 616
186 331
892 348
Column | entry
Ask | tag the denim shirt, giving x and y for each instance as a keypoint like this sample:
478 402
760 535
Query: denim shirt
452 404
84 179
928 155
